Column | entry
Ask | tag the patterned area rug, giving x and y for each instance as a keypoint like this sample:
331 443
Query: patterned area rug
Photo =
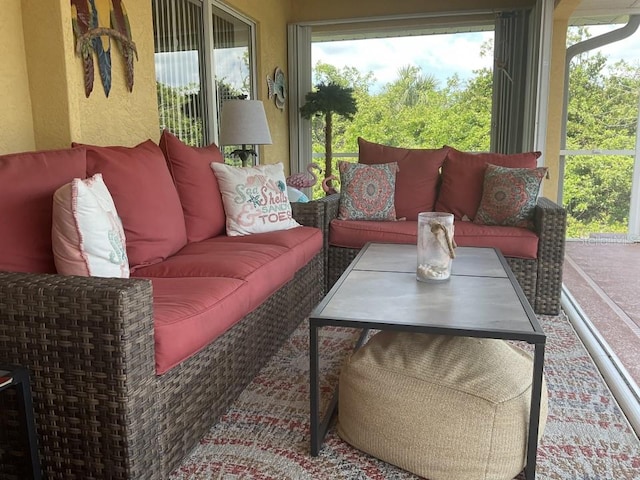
265 435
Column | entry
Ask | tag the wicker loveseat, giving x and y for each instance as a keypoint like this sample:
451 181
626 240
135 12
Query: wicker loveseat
106 404
540 278
535 254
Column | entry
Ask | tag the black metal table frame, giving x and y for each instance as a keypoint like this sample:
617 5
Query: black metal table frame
318 428
22 385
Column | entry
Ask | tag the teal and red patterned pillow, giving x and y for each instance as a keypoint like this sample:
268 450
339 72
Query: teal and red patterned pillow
367 191
509 196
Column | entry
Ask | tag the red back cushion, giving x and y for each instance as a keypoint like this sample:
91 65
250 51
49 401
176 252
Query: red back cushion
197 186
145 197
463 178
417 177
27 184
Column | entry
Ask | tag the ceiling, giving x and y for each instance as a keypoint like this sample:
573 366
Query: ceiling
605 11
588 12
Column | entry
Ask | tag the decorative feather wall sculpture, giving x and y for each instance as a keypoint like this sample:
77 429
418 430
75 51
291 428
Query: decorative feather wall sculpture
95 24
102 43
120 22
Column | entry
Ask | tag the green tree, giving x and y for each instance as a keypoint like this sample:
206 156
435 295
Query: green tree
349 77
342 140
468 114
596 194
174 113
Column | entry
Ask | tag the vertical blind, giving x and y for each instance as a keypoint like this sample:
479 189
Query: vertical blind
511 58
180 69
185 40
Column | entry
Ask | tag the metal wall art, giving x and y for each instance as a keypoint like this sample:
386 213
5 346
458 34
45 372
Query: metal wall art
95 24
277 88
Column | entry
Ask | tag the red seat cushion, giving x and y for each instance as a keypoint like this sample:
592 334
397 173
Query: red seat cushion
145 197
511 241
265 268
27 183
417 177
463 179
197 186
190 312
303 242
208 286
355 233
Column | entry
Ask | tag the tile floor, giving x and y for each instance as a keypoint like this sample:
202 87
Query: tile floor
603 275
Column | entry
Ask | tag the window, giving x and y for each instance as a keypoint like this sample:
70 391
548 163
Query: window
203 56
180 73
497 109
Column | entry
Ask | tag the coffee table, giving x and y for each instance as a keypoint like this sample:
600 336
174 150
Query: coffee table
379 291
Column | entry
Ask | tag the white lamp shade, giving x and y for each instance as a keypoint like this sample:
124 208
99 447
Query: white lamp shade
243 122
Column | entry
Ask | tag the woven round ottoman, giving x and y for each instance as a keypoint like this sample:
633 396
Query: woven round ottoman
442 407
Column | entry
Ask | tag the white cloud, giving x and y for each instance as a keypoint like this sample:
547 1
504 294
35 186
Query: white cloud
177 69
437 55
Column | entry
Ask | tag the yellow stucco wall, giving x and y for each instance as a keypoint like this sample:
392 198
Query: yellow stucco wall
562 13
48 86
42 87
16 125
123 118
271 18
550 187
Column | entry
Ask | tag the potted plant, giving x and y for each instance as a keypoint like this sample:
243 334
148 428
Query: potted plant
326 100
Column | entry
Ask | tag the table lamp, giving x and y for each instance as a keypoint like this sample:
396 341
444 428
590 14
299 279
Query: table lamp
243 122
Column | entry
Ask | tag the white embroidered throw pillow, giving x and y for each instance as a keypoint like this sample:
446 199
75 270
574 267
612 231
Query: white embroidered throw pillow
87 234
255 198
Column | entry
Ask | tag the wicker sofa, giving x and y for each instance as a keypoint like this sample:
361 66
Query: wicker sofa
102 407
535 255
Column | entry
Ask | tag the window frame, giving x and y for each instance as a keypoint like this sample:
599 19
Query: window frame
211 113
301 35
209 7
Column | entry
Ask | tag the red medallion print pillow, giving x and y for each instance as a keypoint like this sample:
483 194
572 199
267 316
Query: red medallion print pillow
367 191
509 196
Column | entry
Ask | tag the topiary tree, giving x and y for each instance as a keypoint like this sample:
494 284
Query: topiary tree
326 100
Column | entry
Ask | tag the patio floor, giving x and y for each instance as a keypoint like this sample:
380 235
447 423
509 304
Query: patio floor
602 274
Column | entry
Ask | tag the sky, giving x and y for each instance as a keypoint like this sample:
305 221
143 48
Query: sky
180 69
438 55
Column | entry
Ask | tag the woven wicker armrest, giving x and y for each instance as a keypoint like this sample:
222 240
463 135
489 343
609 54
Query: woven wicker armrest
332 203
325 207
320 211
550 225
89 345
309 214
